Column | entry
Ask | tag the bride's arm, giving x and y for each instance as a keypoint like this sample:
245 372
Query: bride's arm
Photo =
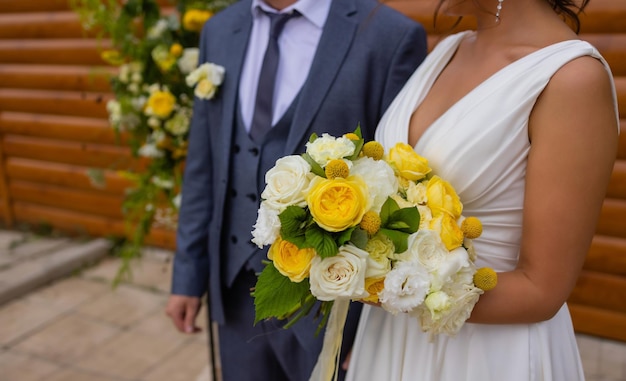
573 132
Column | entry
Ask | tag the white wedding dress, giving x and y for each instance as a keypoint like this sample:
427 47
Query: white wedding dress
481 146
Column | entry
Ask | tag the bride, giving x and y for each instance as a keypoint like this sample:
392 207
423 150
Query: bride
520 116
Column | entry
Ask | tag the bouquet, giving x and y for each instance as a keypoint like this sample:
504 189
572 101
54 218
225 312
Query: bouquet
347 221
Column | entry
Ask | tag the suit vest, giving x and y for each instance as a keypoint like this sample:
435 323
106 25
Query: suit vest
249 162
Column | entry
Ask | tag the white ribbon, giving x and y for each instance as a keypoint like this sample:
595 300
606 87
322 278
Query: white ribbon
328 361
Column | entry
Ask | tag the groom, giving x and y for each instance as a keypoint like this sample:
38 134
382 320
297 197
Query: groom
336 64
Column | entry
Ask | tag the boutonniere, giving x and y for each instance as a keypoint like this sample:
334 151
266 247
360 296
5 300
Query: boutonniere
206 79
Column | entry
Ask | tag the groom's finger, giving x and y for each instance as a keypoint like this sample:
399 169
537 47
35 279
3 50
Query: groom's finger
190 316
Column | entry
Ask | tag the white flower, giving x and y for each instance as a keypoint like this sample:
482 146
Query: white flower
154 122
427 248
416 193
286 182
327 148
179 123
150 150
451 319
341 276
177 200
206 78
162 182
379 248
437 302
267 226
188 62
114 109
445 272
379 177
157 30
406 286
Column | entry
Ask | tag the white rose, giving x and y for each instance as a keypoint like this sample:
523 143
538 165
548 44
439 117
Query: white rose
267 226
326 148
341 276
206 78
286 182
416 193
406 286
426 247
446 270
380 248
426 216
437 302
379 177
188 62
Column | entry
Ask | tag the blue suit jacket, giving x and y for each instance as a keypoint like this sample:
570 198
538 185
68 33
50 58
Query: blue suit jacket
366 53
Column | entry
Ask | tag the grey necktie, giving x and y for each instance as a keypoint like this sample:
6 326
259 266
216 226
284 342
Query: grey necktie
262 118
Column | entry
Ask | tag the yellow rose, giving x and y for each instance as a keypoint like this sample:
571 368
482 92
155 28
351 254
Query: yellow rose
161 104
290 261
442 198
449 231
194 19
338 204
373 286
176 49
407 163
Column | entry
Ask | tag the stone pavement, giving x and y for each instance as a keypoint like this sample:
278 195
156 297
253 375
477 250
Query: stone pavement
60 319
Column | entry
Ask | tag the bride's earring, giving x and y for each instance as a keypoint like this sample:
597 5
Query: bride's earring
498 10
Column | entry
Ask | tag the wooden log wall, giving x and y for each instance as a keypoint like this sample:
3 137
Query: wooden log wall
54 130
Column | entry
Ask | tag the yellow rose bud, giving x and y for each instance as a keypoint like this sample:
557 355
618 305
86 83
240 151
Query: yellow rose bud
374 286
336 168
290 261
442 198
374 150
161 104
194 19
338 204
407 163
485 278
370 223
176 50
449 231
472 227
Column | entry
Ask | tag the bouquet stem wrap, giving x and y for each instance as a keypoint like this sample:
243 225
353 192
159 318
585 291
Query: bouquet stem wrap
327 366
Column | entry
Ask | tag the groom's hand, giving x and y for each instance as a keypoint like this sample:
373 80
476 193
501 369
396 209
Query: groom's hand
183 311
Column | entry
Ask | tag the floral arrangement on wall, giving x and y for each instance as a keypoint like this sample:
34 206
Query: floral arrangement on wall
154 46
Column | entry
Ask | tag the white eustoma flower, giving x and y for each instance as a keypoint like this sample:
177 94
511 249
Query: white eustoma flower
341 276
326 148
206 79
150 150
267 226
286 182
188 62
406 286
379 177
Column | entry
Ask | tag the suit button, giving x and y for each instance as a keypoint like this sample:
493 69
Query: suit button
254 151
233 239
236 148
233 193
251 196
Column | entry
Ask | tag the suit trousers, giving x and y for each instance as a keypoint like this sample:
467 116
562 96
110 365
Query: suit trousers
261 352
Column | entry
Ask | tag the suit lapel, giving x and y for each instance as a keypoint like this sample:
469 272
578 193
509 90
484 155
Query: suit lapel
234 55
334 44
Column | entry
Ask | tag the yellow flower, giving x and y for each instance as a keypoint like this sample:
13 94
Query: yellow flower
194 19
112 56
449 231
336 168
374 286
485 278
161 104
374 150
337 204
176 50
351 136
290 261
442 198
407 162
371 223
472 227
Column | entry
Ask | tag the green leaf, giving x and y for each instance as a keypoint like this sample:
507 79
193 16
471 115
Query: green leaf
405 219
359 238
292 220
358 145
388 208
322 241
344 236
312 137
277 296
315 167
399 239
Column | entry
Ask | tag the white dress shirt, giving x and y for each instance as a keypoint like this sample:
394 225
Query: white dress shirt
299 38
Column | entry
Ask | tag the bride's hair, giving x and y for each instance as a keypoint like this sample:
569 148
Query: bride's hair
568 8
